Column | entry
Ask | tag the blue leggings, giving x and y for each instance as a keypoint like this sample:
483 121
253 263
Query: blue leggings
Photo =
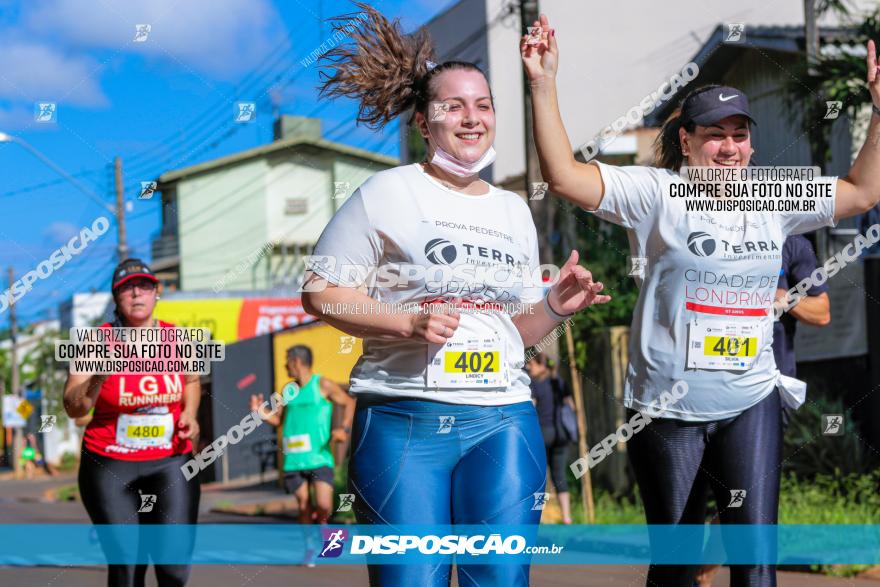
410 467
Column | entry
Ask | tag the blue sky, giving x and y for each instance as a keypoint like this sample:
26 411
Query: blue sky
161 104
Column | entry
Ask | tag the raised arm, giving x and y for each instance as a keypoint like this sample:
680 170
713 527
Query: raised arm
273 418
859 191
579 183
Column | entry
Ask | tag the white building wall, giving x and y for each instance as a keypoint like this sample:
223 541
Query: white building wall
304 177
221 220
612 54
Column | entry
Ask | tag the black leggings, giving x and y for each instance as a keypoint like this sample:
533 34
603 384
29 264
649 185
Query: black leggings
110 490
676 463
557 458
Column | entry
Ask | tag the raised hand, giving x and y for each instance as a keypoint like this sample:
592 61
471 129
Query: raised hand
575 289
873 74
539 52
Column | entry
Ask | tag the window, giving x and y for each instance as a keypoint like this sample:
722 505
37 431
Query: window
294 206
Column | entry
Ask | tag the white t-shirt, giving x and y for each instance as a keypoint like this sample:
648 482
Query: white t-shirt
719 270
403 216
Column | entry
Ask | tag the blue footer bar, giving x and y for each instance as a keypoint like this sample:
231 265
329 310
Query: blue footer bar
283 544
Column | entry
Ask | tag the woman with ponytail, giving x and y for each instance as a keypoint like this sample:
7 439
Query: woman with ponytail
706 274
435 269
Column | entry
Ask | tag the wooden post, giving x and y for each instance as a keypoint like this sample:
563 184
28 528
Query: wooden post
122 247
586 481
17 433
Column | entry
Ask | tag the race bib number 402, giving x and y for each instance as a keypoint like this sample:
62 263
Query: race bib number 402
467 362
723 345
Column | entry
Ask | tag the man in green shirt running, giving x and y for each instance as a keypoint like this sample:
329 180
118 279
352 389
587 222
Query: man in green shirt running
307 436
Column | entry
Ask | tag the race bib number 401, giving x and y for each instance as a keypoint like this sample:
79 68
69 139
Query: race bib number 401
726 345
467 362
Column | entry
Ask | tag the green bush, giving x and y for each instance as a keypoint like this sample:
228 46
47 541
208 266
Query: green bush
830 499
340 485
807 452
69 462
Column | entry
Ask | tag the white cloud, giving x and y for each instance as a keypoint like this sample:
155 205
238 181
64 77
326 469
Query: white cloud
219 37
59 232
33 72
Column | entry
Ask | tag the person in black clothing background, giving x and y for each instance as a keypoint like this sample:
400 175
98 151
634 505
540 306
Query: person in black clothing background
798 262
551 395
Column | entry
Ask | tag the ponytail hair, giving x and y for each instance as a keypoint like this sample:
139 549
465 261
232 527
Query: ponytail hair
667 145
386 70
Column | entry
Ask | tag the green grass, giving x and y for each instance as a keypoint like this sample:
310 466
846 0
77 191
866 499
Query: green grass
69 462
824 499
68 493
830 499
609 509
340 485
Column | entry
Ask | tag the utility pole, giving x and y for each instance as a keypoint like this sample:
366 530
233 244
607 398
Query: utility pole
811 33
122 248
13 356
817 134
7 440
542 209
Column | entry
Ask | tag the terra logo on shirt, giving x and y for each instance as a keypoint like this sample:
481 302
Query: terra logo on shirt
702 244
442 252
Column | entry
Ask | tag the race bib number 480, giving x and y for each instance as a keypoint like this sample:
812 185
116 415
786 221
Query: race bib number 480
467 362
726 345
144 430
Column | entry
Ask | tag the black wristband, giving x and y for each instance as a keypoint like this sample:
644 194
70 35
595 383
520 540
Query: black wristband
875 108
553 313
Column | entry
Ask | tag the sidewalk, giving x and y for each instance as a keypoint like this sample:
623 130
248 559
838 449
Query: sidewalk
33 489
248 497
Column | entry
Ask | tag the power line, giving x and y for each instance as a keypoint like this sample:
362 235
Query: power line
54 182
211 112
259 86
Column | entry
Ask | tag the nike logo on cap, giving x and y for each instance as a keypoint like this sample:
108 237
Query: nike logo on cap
724 98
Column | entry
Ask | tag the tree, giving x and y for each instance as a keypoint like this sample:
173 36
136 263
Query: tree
836 76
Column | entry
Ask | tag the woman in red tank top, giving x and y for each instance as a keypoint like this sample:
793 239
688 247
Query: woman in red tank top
139 437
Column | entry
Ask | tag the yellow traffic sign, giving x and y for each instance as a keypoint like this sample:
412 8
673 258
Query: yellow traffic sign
25 408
